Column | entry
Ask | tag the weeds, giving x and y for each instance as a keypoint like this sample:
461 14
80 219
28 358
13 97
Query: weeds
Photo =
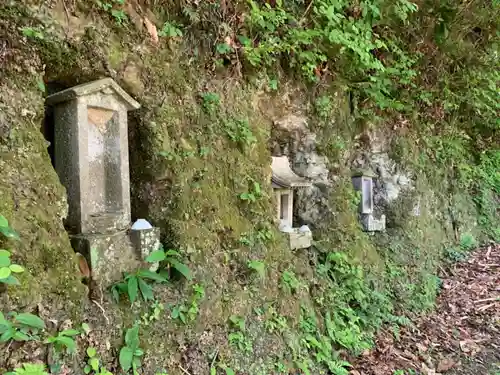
258 266
171 260
20 327
188 313
6 230
131 353
29 369
64 340
93 365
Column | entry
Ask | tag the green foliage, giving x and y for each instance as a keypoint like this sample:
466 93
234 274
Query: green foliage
259 267
6 230
7 269
29 369
31 32
154 315
20 327
137 284
239 131
187 313
275 322
64 340
210 102
170 30
131 353
468 242
290 282
238 336
171 260
252 195
93 365
114 8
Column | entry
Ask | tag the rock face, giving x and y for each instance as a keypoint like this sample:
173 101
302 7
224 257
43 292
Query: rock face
300 145
295 139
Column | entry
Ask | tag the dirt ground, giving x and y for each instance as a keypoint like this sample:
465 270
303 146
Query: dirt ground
461 337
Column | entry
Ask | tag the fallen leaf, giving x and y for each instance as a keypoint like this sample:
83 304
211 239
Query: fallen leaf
445 364
151 30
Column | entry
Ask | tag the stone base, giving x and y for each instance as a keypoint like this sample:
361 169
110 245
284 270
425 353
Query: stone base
145 241
108 256
370 224
299 240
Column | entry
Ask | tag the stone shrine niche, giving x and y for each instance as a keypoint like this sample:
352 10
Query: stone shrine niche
284 181
363 181
92 161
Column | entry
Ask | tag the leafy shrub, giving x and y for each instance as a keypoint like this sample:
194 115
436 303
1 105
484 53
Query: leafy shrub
171 259
93 364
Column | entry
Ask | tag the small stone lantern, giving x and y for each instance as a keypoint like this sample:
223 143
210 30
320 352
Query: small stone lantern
363 182
92 161
284 180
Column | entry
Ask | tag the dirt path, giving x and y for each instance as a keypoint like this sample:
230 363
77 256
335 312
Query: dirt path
462 337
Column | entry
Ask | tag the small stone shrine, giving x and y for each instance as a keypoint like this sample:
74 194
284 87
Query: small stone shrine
92 161
284 180
363 182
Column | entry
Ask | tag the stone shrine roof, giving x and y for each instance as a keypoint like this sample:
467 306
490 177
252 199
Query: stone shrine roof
283 176
106 85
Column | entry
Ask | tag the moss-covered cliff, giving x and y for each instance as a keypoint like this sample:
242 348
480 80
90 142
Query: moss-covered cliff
210 119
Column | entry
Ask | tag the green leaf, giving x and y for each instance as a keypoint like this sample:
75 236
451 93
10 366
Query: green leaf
91 352
3 223
146 290
181 267
172 253
21 336
7 335
85 328
70 332
94 363
9 233
229 371
4 272
126 358
156 256
87 369
146 274
30 320
16 268
138 352
68 342
41 85
4 261
11 280
213 371
4 253
132 337
132 288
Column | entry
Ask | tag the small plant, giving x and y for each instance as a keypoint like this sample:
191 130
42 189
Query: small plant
467 242
258 266
239 131
34 33
29 369
189 313
133 283
253 195
290 282
7 269
210 102
237 337
6 230
156 309
64 340
171 258
131 353
170 30
276 322
21 327
93 364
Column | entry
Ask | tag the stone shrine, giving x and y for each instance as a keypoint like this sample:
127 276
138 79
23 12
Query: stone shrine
284 180
92 161
363 182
